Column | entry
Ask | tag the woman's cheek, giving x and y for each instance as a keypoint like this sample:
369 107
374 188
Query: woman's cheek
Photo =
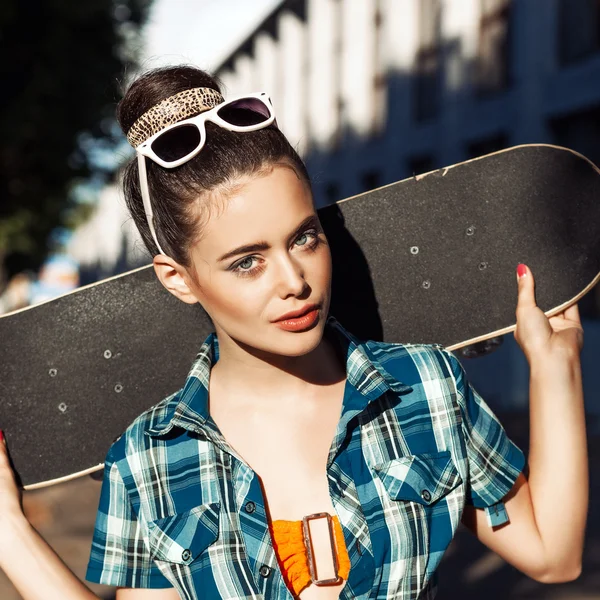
323 265
243 295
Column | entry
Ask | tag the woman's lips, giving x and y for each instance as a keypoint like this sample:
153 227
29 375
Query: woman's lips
302 323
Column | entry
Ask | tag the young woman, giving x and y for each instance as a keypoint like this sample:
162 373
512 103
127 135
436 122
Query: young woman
297 461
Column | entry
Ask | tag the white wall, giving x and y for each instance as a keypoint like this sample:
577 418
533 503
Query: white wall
323 121
292 105
267 59
108 237
358 64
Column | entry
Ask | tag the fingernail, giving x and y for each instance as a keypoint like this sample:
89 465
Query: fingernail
1 435
521 270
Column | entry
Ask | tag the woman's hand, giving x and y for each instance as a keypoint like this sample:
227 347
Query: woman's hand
33 567
542 539
540 336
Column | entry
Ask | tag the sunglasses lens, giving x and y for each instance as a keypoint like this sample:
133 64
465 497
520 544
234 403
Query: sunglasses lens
176 143
244 112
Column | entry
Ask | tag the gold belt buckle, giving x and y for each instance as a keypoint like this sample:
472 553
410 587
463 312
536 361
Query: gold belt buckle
310 551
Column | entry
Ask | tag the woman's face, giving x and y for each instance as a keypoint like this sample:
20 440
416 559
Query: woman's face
263 255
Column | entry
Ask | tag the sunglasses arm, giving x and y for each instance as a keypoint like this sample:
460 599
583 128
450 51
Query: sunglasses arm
143 177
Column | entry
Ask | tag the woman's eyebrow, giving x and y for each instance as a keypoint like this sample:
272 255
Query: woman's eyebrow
310 220
260 246
244 249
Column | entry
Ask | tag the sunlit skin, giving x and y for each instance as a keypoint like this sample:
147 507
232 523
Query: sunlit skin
273 390
245 293
279 387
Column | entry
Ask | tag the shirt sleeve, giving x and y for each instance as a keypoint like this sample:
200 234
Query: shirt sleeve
119 556
495 462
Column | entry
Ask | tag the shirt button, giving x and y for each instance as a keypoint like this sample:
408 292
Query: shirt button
186 555
426 495
250 507
265 571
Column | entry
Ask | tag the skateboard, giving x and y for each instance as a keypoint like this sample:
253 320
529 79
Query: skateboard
430 259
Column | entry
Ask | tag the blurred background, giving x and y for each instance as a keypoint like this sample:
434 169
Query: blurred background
369 91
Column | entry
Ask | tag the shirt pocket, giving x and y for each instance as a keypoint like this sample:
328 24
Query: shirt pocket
422 478
182 537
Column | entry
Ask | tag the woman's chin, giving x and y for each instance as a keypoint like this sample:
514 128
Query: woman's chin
298 343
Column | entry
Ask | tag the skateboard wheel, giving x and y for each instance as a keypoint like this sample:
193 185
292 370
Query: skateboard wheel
52 372
107 354
118 388
97 475
414 250
471 230
62 407
481 348
426 284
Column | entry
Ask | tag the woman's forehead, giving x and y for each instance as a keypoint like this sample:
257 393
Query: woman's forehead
265 208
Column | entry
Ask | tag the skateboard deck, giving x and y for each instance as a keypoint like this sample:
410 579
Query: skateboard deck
430 259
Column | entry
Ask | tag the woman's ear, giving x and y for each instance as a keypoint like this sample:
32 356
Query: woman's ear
175 279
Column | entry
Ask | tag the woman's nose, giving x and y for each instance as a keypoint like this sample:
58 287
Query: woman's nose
291 280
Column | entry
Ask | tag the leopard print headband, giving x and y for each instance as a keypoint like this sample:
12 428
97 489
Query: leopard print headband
172 110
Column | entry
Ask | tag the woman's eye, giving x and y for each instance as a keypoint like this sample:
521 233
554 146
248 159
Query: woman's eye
246 264
302 239
247 267
309 237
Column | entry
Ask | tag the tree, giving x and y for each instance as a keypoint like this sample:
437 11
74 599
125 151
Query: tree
63 64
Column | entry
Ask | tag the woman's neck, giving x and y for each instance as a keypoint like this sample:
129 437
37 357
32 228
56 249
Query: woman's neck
266 375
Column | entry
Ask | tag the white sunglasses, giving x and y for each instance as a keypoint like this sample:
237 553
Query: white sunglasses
180 142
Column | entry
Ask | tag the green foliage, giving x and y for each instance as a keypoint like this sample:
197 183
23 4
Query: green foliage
63 64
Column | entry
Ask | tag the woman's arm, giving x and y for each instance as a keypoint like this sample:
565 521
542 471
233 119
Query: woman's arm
33 567
547 510
142 594
35 570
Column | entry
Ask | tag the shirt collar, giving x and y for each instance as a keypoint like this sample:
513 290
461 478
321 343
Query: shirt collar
363 371
191 411
364 374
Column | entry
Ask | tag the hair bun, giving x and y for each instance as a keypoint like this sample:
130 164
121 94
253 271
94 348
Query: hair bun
155 86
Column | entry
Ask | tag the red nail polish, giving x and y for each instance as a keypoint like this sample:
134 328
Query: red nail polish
521 270
1 435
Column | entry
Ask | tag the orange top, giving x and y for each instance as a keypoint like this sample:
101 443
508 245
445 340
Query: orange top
291 552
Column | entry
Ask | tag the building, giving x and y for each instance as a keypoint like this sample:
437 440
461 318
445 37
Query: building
374 91
108 243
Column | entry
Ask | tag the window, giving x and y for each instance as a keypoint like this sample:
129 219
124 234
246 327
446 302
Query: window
492 72
580 131
338 57
420 164
487 145
578 29
379 77
332 193
370 181
428 61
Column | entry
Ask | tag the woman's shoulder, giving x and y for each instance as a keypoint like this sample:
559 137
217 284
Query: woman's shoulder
136 436
406 359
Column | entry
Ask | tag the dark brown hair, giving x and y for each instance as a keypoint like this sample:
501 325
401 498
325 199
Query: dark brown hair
225 157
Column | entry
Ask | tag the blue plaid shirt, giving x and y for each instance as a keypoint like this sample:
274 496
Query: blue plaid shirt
414 444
